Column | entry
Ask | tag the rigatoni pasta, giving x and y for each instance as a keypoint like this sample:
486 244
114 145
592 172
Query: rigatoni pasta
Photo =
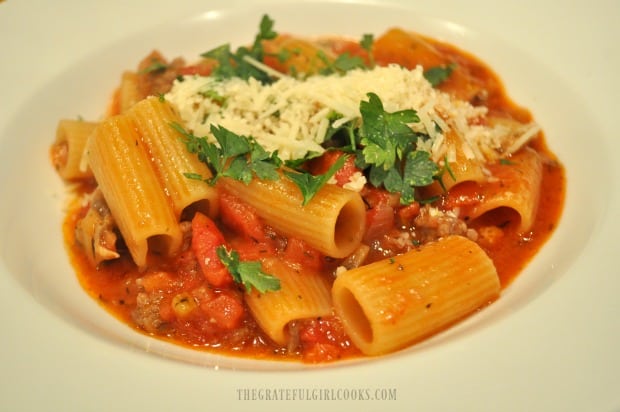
333 222
132 190
68 149
302 295
128 92
514 187
153 118
390 304
307 199
462 168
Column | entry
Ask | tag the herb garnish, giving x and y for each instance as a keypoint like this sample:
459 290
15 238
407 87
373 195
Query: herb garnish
242 158
345 61
342 64
310 184
389 150
439 74
235 156
236 64
249 273
367 42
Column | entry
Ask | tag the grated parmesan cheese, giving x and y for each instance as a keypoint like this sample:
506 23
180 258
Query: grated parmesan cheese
292 115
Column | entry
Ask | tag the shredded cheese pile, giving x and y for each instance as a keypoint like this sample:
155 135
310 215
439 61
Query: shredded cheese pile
292 115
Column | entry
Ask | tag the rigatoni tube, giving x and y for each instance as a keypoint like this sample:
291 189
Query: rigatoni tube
154 118
132 190
302 295
333 222
68 149
516 186
393 303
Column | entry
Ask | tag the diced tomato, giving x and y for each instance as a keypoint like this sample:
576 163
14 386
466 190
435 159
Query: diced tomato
374 197
206 237
379 221
319 338
463 195
241 217
274 63
322 164
203 68
407 213
298 251
380 214
225 310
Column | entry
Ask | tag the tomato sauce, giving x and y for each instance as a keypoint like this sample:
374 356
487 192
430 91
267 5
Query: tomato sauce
174 301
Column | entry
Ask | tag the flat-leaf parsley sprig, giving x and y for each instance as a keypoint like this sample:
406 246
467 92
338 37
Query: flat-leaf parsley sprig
310 184
240 63
389 151
248 273
243 158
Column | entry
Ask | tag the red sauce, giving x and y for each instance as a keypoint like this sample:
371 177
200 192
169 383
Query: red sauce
222 323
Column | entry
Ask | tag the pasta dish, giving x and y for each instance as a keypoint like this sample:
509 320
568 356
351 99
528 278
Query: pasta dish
307 199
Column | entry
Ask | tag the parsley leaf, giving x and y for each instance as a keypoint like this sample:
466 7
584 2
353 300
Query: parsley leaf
389 150
230 143
342 64
249 273
385 135
419 169
439 74
310 184
366 43
234 156
345 62
235 64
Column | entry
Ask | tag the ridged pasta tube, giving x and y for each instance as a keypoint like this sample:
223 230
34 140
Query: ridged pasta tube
390 304
301 296
68 149
130 186
333 222
170 158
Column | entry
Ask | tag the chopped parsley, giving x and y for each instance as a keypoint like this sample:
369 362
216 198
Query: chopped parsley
249 273
389 150
236 64
345 61
310 184
243 158
367 42
234 156
439 74
342 64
